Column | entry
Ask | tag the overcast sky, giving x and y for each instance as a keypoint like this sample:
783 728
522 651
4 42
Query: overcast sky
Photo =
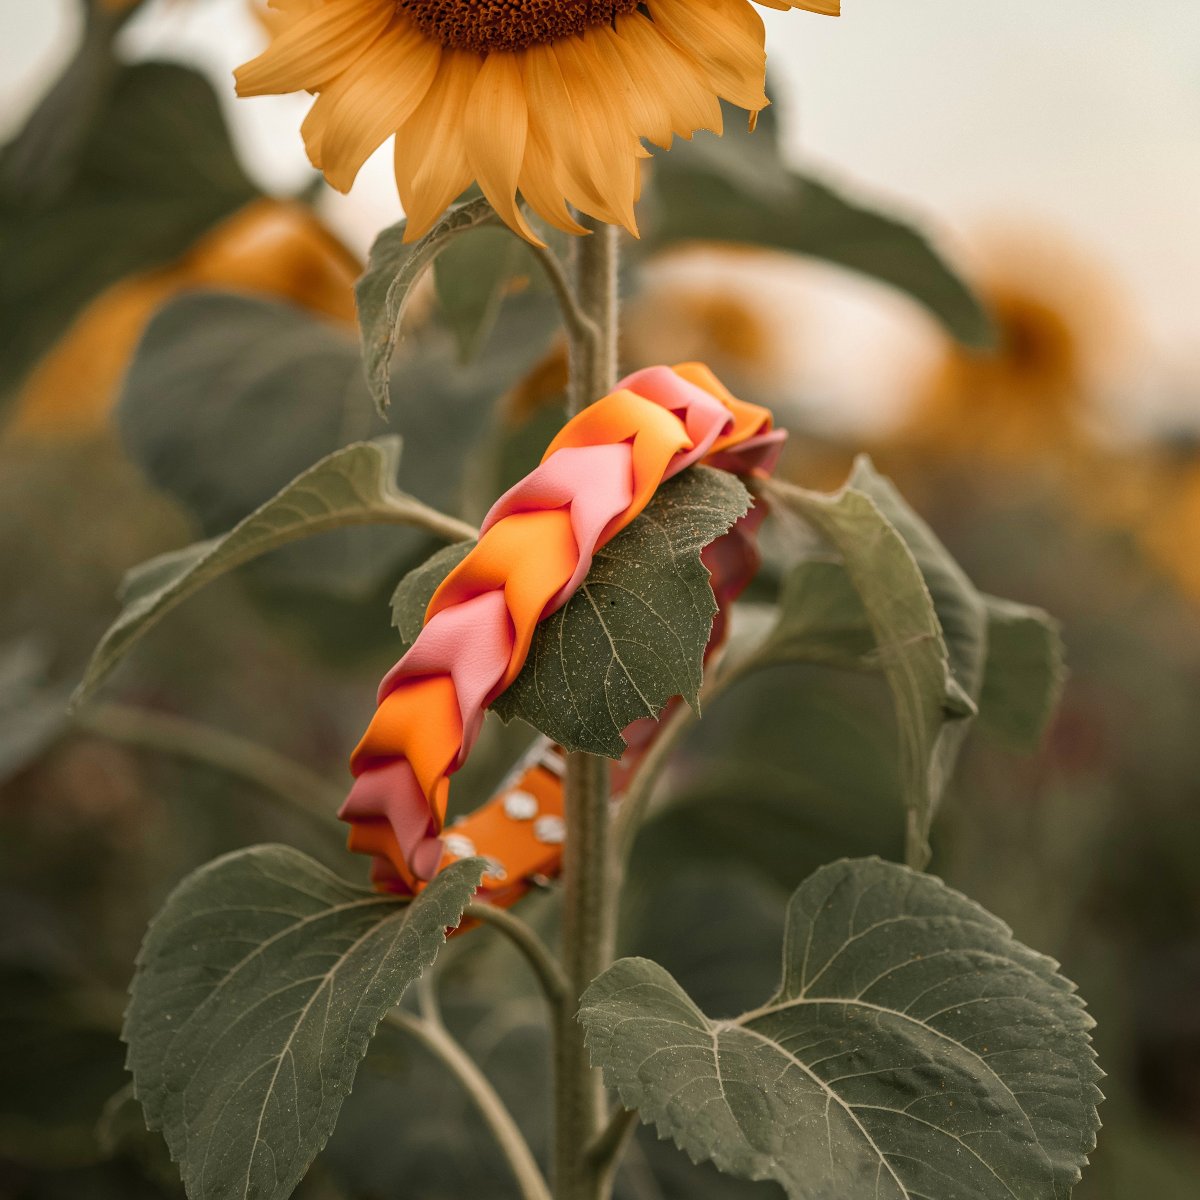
1075 116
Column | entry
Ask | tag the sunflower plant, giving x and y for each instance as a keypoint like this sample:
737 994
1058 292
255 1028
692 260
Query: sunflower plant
652 553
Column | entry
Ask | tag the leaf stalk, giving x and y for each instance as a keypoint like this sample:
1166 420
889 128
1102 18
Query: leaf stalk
436 1038
295 788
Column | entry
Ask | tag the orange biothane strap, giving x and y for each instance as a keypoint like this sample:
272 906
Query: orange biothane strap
534 551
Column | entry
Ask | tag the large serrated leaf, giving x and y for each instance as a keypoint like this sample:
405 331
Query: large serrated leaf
914 1051
634 634
736 188
258 988
632 637
354 486
894 590
393 272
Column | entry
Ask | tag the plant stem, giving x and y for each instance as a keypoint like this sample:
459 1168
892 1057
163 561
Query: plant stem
437 1038
605 1151
589 900
636 800
581 328
635 803
594 360
293 787
551 976
587 937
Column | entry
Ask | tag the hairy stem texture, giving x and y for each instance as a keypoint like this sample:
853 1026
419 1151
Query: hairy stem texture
589 902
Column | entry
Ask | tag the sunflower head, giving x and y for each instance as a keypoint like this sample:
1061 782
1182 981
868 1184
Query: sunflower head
550 100
1060 333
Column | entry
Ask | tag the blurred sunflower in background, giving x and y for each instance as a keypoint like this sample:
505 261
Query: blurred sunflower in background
270 248
549 98
1045 392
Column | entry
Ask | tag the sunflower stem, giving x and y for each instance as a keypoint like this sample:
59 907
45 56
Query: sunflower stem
581 329
589 902
594 359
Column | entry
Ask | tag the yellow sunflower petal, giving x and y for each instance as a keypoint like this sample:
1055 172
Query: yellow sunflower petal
826 8
608 145
495 133
540 180
640 98
656 63
726 38
316 48
277 15
362 108
431 159
551 102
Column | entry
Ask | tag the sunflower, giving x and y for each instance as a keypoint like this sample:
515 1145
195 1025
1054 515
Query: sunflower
548 98
1062 335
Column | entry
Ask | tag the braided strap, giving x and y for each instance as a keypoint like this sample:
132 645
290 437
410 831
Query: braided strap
535 549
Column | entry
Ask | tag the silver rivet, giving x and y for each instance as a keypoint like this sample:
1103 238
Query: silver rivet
550 830
520 806
459 845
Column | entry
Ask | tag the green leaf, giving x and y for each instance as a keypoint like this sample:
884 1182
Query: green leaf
736 188
209 407
914 1050
791 768
912 651
634 634
471 275
32 714
230 397
354 486
258 988
154 170
960 609
1024 675
821 619
414 592
394 269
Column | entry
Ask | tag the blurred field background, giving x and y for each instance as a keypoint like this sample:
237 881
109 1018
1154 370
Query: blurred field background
1051 154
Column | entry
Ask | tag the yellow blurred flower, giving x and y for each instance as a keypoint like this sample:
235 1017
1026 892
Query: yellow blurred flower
1154 497
270 247
713 301
551 98
1059 328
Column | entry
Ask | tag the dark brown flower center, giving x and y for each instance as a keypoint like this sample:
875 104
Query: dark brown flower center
484 25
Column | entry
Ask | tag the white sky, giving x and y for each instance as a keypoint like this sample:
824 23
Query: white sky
1075 116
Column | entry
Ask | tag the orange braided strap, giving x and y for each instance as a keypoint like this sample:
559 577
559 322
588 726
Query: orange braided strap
535 549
